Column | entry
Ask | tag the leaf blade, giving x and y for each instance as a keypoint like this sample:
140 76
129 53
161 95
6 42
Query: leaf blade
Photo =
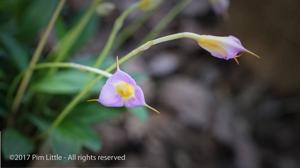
16 143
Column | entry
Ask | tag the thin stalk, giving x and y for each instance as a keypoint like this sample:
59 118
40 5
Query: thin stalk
107 48
151 43
73 65
35 58
132 28
130 55
165 21
64 46
116 28
69 107
12 87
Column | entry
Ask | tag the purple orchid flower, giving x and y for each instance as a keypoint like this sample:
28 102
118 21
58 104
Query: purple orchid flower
122 90
223 47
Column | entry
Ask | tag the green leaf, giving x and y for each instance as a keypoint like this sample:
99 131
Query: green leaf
3 86
15 50
60 28
40 123
88 32
71 136
36 16
10 10
93 143
141 113
64 146
89 137
1 73
74 37
90 113
65 82
16 143
2 112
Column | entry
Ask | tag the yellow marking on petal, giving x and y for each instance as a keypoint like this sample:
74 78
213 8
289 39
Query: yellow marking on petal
124 89
151 108
212 45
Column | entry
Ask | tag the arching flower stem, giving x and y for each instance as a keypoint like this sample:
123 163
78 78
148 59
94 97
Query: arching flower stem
125 58
73 65
151 43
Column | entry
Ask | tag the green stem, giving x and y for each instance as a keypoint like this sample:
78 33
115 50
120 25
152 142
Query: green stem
165 21
130 55
35 58
108 46
151 43
13 86
70 107
73 65
64 46
132 28
116 28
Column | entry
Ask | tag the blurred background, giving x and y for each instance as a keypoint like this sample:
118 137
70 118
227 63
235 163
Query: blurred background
214 113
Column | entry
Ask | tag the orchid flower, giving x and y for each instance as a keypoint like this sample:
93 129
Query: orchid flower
228 47
121 90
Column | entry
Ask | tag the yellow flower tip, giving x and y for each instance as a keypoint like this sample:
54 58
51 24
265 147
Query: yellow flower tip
147 5
152 108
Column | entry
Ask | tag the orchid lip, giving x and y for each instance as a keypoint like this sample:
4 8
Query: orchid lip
124 90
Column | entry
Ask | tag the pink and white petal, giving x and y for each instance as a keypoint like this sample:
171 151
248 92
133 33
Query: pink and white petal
235 39
137 100
233 46
120 75
219 53
222 47
108 96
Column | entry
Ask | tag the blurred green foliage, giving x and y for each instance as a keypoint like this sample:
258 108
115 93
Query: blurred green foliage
16 143
21 24
64 82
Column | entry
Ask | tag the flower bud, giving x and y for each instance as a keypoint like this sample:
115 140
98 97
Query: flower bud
223 47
